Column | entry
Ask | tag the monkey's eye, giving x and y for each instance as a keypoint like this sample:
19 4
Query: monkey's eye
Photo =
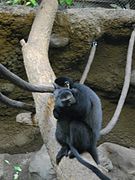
66 84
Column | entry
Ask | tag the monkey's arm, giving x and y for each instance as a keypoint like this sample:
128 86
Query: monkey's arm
16 104
23 84
95 116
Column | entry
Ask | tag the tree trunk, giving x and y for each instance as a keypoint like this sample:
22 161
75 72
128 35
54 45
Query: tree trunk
39 71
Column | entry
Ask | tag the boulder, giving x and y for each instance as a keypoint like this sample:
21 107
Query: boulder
32 166
41 167
57 41
118 160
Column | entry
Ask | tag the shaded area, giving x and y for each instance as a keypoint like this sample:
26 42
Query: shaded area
18 138
123 133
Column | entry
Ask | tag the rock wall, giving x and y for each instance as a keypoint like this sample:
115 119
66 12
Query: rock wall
73 31
76 28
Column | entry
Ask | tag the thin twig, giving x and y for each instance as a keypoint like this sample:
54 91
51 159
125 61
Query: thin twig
88 65
125 88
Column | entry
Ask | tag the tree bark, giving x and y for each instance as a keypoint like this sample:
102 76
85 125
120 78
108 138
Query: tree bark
39 71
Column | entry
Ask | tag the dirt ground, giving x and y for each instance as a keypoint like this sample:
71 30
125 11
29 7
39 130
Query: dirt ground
16 137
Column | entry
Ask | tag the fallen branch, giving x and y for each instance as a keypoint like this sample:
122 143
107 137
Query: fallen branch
125 88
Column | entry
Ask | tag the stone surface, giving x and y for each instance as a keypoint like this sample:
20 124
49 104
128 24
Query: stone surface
18 138
8 162
116 161
41 167
1 166
79 26
57 41
119 160
6 88
26 118
37 162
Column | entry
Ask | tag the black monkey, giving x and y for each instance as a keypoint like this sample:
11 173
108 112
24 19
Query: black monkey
79 118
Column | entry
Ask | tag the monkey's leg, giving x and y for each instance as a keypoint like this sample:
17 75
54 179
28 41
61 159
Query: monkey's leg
63 152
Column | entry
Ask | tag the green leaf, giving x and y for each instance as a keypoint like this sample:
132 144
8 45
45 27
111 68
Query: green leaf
28 3
6 161
16 1
69 2
17 168
61 2
16 176
33 2
9 2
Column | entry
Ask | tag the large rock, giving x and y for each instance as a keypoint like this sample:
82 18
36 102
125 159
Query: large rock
34 166
57 41
41 167
119 160
9 162
116 161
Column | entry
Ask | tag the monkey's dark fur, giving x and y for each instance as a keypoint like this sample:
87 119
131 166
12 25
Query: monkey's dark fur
79 119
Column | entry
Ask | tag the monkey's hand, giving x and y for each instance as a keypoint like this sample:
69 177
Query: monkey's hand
56 114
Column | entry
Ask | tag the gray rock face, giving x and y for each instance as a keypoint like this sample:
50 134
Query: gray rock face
58 41
34 166
119 160
6 87
40 166
8 163
26 118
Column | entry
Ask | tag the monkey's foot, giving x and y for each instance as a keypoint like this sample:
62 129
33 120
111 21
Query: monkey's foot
71 155
63 152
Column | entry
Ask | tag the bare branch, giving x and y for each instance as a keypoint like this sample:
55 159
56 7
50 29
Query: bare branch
24 84
16 104
88 65
125 88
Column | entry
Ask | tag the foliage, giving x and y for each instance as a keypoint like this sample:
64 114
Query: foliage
34 3
66 2
31 3
17 169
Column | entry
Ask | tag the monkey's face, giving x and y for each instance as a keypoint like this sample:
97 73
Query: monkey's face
64 98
